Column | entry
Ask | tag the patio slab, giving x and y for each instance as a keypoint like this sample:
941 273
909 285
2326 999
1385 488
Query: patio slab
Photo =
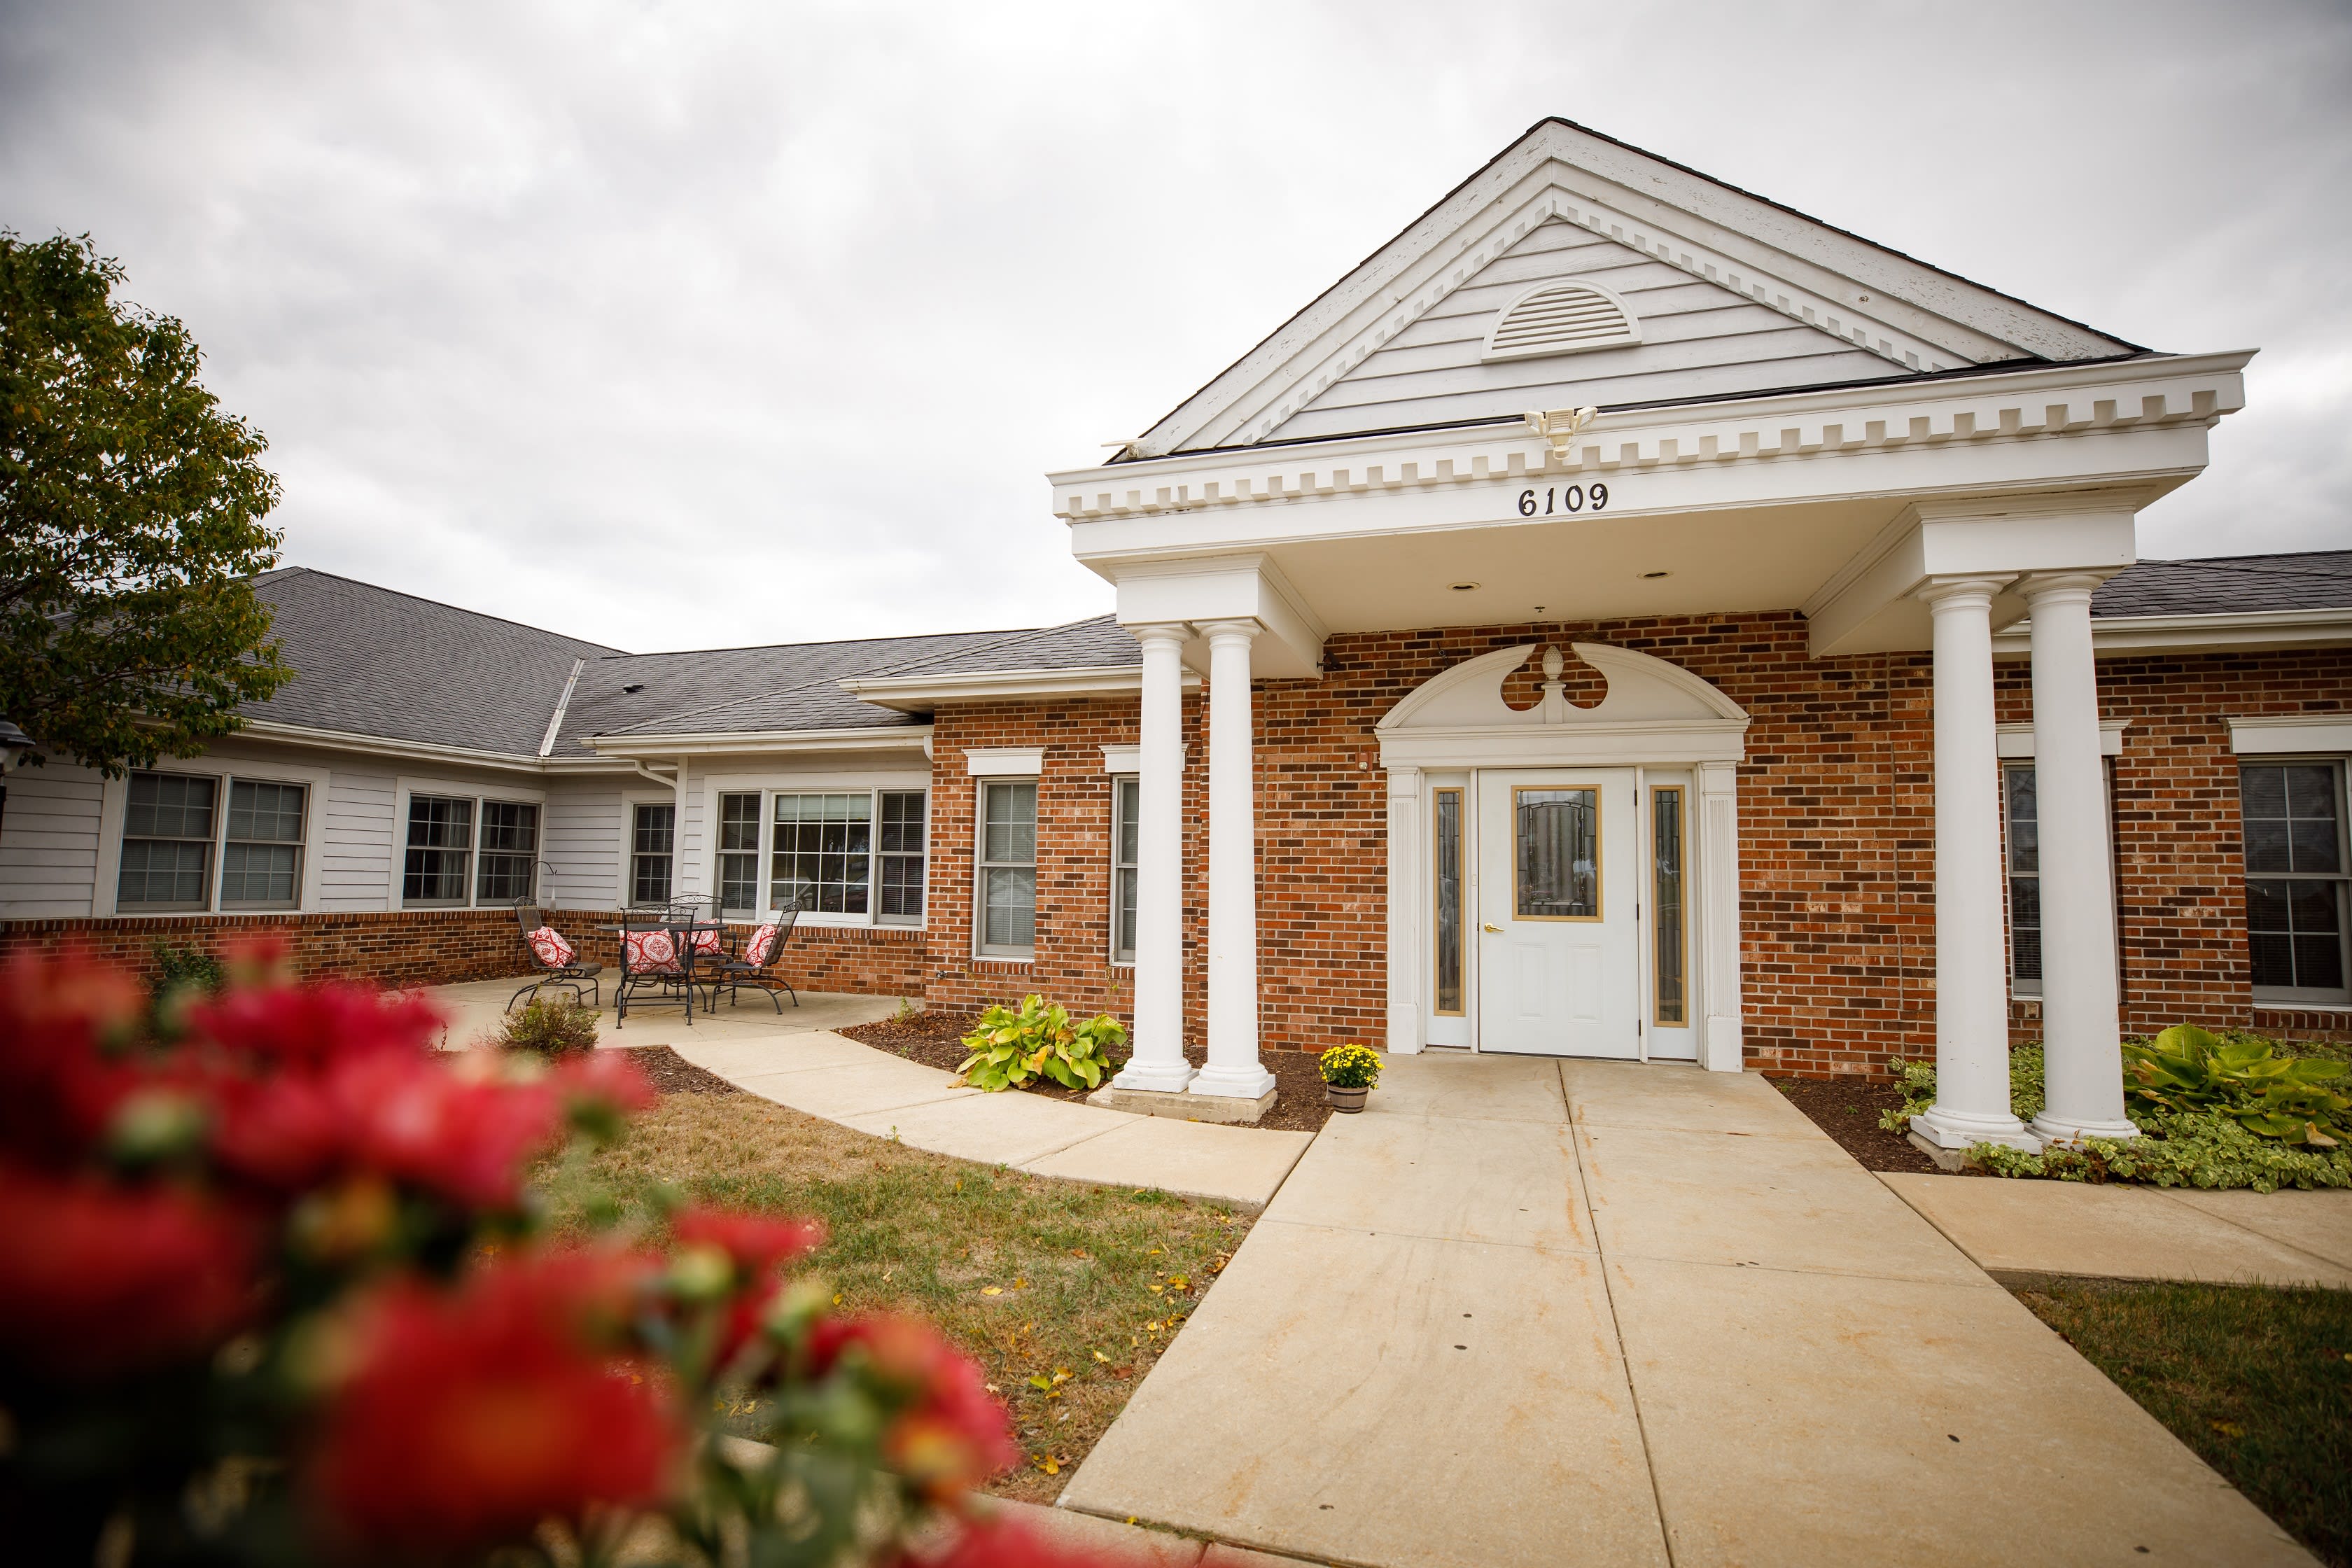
843 1092
1460 1085
2116 1232
1242 1166
1670 1095
1007 1129
475 1009
1510 1182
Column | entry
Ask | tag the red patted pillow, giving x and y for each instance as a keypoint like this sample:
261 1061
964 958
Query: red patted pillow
761 947
650 952
707 943
552 950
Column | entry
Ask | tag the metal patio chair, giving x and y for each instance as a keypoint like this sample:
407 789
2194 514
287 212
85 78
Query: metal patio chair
554 962
656 956
761 965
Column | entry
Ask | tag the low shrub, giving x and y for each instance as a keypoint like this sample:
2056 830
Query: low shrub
1012 1048
550 1027
2185 1072
186 968
1348 1066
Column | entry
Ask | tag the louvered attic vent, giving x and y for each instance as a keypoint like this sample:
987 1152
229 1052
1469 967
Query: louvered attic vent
1561 318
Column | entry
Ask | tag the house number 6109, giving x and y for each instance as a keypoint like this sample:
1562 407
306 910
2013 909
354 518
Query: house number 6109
1554 499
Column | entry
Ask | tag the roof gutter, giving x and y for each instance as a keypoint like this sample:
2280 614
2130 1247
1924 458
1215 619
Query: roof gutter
2121 637
625 748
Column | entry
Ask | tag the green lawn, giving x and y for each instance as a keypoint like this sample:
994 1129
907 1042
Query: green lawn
1079 1286
2257 1381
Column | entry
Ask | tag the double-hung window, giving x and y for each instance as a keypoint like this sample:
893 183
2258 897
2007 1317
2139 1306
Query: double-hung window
509 852
653 850
440 850
182 851
902 861
739 854
1008 868
1126 802
2297 869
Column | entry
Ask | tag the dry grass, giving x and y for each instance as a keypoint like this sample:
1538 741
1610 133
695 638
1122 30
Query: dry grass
1090 1282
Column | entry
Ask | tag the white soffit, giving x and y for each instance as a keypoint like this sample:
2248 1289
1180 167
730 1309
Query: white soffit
1910 314
1004 761
2014 743
2289 734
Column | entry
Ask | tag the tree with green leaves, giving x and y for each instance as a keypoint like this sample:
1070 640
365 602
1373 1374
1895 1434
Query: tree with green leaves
132 515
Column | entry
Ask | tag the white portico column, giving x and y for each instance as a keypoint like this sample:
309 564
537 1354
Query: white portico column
1971 982
2084 1067
1158 1060
1234 1067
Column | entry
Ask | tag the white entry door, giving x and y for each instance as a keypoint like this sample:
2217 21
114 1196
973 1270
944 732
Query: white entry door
1559 960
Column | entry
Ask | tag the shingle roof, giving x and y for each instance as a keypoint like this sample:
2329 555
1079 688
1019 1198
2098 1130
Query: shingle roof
2228 584
1097 643
371 661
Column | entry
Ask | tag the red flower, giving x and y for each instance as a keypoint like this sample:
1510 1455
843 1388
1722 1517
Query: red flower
998 1544
758 1244
310 1027
611 1078
471 1416
57 1089
97 1279
951 1436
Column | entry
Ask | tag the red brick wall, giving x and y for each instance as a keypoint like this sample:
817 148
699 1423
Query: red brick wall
403 947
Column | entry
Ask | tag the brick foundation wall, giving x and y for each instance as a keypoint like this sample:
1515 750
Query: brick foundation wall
401 947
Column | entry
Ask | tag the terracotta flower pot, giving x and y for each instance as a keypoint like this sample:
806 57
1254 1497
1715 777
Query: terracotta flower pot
1345 1100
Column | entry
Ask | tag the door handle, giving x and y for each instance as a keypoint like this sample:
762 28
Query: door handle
1496 930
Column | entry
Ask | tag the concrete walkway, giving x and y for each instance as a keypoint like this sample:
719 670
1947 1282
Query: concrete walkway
2014 1229
796 1060
1682 1327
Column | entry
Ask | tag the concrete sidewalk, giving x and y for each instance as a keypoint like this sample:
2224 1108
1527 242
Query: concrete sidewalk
1682 1326
794 1059
2017 1229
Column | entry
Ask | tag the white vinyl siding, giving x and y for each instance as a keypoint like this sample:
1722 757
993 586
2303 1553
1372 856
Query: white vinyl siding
1700 339
49 841
356 837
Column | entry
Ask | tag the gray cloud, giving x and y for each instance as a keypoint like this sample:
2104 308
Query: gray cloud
691 324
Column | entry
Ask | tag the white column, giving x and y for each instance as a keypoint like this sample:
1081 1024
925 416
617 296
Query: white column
1234 1067
1158 1062
1971 979
2084 1067
1410 910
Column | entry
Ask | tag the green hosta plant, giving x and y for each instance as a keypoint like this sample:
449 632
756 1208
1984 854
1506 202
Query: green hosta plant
1013 1047
2186 1070
1348 1066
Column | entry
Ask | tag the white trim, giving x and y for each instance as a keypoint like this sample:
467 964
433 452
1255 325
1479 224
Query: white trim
1004 762
1128 760
669 748
2117 637
2014 743
115 797
382 746
2285 734
917 693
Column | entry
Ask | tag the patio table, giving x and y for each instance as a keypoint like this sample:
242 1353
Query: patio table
682 934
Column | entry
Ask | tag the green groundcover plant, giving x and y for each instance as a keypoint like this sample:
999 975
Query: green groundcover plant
1012 1048
1348 1066
2214 1110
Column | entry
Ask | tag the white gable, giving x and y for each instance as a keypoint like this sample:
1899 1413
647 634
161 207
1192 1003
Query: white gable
1884 314
1696 339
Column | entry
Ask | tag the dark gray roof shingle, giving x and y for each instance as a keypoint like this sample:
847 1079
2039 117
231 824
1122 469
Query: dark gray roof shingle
1097 643
2229 585
371 661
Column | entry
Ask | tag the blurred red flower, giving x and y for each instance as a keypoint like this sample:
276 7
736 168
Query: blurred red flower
996 1543
57 1086
758 1244
471 1415
951 1435
97 1279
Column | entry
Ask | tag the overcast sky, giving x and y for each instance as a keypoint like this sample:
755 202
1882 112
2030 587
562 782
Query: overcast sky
698 324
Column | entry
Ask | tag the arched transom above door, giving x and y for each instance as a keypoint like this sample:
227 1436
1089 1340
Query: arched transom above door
1654 711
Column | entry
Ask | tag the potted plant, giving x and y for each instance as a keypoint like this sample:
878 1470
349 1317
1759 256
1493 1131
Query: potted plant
1349 1074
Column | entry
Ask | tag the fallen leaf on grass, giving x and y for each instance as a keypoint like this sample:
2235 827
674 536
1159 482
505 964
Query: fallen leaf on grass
991 1291
1049 1464
1100 1357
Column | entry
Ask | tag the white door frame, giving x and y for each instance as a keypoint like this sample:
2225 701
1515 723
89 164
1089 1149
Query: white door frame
1655 714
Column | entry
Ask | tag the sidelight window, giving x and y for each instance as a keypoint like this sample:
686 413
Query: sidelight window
1670 962
1448 873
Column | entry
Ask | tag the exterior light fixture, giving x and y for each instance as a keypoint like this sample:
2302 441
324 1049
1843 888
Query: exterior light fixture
1462 587
15 746
1657 574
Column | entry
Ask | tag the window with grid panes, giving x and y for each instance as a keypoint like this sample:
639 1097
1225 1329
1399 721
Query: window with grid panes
739 854
1125 798
261 852
440 850
2294 820
900 860
167 843
1008 868
820 860
2022 806
509 851
653 843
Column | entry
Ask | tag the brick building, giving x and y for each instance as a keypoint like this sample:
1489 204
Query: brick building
1786 693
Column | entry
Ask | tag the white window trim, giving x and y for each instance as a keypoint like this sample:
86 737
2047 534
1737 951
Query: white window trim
2292 735
2268 995
407 784
623 880
980 868
767 786
2115 862
1128 760
114 799
2014 743
1004 761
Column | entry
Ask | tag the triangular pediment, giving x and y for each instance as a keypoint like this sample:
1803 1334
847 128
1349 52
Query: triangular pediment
1731 294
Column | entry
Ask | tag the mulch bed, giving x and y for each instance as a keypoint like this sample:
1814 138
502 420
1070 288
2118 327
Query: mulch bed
1847 1109
673 1074
936 1040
